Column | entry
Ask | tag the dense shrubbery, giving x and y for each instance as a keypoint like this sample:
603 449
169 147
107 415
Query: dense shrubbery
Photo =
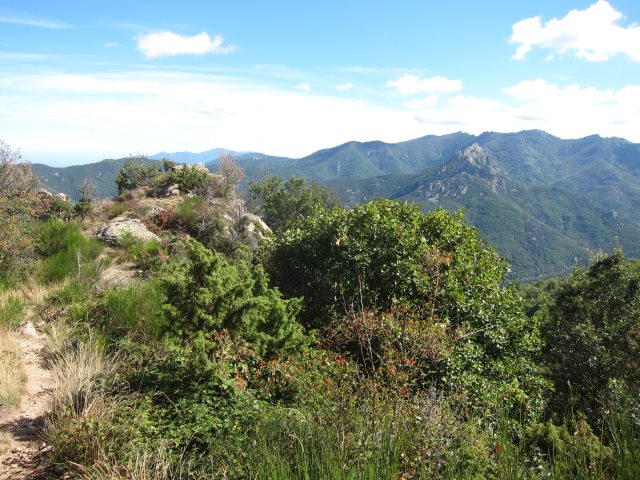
386 253
67 251
281 203
592 333
211 294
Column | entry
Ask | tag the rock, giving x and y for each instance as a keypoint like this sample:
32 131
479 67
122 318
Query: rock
173 190
62 196
44 192
253 229
116 228
197 166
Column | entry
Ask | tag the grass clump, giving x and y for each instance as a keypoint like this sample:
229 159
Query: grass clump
79 370
67 252
12 375
135 311
11 310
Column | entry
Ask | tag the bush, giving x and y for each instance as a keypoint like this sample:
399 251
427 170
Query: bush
279 204
210 294
19 208
591 332
386 253
148 255
136 172
11 310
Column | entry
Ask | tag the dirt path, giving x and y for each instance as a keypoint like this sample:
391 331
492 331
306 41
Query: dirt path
23 454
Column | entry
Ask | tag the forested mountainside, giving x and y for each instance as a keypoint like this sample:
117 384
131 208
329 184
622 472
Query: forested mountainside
542 201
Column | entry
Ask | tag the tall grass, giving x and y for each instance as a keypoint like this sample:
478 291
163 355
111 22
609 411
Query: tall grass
12 375
12 310
68 252
135 311
290 446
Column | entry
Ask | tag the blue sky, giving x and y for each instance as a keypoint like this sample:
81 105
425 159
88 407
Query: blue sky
83 81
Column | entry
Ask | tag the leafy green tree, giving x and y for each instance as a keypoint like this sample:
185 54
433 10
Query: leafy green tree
279 203
210 294
136 172
592 334
386 253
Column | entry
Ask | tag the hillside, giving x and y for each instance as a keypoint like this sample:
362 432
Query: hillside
558 199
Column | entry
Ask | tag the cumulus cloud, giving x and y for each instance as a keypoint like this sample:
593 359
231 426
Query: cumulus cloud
411 84
169 44
594 34
344 86
305 87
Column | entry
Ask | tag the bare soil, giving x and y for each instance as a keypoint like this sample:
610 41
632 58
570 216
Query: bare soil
23 454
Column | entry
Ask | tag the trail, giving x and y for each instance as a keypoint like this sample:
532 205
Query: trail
23 454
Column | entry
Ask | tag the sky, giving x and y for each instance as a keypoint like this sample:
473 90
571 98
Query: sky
81 81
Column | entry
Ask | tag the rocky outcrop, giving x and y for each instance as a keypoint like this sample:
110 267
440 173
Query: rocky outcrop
115 229
196 166
252 229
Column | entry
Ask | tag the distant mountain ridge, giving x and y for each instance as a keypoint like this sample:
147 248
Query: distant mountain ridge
542 201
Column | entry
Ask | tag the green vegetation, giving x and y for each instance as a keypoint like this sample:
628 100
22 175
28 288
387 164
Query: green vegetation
282 203
591 330
377 342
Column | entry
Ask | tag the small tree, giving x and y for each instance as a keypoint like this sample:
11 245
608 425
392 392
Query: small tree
232 174
86 204
18 208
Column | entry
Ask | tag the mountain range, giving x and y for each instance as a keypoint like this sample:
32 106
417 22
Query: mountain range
542 201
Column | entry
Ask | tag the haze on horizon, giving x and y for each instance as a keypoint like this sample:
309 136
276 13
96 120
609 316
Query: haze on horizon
81 82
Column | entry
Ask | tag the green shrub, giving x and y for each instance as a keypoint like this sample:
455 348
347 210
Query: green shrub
188 213
117 210
591 332
280 204
386 253
210 293
148 255
136 172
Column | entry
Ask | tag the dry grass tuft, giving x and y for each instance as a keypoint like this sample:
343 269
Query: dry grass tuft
145 465
12 375
79 370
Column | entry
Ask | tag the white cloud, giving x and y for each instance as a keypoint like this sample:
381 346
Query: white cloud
34 22
344 86
168 44
411 84
427 102
305 87
111 45
93 116
593 34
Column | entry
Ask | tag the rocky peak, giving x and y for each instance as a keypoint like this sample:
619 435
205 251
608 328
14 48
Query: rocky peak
474 155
